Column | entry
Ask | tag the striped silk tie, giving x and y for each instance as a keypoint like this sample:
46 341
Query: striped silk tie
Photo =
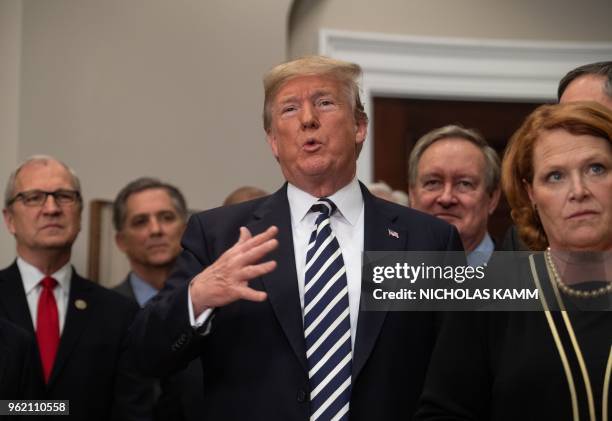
327 327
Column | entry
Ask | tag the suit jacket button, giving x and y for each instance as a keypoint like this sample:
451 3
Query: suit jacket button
301 395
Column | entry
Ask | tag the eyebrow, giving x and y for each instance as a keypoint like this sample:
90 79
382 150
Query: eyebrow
315 95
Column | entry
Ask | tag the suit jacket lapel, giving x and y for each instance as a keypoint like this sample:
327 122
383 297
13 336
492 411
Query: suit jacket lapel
77 315
281 285
379 224
13 298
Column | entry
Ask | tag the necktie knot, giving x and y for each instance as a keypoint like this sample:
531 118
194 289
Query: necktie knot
324 206
48 283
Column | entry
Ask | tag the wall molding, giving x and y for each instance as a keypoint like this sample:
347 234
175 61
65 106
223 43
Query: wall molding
455 68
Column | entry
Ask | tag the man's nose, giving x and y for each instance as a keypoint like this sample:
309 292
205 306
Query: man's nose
308 117
155 226
50 206
446 197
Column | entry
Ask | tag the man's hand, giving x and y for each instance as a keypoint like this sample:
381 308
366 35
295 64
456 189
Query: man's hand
227 279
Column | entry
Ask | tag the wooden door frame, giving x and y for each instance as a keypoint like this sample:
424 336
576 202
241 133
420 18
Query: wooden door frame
454 68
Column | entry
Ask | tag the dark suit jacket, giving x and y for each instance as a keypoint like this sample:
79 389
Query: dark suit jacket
90 369
182 391
254 357
18 357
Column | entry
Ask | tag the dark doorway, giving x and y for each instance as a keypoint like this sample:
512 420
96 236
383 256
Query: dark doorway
400 122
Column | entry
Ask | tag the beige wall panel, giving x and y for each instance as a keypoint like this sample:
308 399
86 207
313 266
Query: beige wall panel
10 50
568 20
120 89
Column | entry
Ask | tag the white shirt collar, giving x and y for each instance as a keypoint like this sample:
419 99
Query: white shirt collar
348 199
31 276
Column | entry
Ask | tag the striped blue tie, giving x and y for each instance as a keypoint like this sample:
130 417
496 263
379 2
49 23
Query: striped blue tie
327 326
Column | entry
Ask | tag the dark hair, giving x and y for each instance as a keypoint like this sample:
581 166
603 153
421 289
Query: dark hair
142 184
602 68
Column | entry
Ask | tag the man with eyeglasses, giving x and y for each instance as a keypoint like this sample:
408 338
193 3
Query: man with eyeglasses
80 327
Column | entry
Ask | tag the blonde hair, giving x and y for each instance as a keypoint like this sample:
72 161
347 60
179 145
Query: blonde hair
344 72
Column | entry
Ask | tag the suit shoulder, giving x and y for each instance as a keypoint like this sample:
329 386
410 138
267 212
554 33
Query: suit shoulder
412 217
234 212
109 298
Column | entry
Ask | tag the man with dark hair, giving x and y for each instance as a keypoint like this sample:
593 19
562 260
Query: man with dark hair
149 217
591 82
284 339
80 327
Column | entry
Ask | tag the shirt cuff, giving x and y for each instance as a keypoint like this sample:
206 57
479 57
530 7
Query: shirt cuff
202 318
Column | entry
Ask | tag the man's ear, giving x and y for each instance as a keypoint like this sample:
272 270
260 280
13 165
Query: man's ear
8 220
272 141
119 240
362 131
494 200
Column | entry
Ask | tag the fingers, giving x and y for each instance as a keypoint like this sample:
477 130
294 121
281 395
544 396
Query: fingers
250 249
253 271
251 241
251 294
245 234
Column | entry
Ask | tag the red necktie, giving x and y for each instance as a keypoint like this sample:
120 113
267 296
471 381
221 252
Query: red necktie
47 325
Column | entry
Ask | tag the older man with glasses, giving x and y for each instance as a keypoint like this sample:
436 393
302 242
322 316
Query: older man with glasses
79 326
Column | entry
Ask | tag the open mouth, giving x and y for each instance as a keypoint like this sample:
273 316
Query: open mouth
311 145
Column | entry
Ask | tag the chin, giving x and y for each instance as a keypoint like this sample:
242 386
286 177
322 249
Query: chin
160 261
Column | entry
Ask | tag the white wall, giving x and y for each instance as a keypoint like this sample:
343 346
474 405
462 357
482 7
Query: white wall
123 88
10 50
172 88
586 20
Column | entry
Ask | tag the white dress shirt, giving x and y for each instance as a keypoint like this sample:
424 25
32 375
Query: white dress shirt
347 224
31 278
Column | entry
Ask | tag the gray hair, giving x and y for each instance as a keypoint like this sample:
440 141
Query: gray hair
142 184
383 189
9 192
492 162
602 68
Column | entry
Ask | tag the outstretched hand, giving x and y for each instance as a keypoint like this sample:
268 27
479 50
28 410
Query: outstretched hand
227 279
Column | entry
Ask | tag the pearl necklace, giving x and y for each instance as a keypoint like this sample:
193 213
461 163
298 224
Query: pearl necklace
570 291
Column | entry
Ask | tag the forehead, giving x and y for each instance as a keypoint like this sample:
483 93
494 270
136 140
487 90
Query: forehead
43 175
562 147
452 156
586 88
149 201
305 86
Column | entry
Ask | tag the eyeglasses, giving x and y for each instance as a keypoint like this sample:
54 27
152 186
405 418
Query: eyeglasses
34 198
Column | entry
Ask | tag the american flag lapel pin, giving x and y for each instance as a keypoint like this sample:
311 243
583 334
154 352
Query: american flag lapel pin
392 233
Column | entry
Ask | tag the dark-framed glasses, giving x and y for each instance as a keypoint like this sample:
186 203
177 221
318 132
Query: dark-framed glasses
34 198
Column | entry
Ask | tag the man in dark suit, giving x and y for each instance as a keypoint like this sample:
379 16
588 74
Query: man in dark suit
284 338
18 357
79 326
454 174
149 217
